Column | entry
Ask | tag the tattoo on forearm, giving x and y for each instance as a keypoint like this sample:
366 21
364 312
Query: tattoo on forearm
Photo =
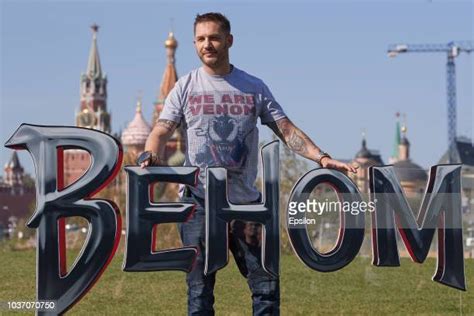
297 143
293 137
167 124
283 128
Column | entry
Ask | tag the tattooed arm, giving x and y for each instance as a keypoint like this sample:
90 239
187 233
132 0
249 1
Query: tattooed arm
157 139
301 144
294 138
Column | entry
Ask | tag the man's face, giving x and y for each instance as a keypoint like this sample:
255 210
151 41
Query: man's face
212 44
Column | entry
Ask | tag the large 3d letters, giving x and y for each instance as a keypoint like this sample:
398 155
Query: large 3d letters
351 231
219 212
143 215
441 208
56 202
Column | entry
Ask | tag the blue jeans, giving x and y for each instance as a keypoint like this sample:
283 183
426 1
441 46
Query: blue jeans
245 244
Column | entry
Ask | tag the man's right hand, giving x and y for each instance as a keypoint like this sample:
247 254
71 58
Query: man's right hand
156 163
144 164
148 158
156 143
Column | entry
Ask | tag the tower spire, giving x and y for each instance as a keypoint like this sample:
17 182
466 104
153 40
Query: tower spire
94 68
364 140
404 147
139 102
93 110
13 171
170 75
396 144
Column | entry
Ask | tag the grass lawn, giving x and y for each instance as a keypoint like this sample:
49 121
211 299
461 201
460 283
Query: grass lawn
360 288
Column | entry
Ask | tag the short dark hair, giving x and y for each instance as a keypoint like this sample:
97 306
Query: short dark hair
213 17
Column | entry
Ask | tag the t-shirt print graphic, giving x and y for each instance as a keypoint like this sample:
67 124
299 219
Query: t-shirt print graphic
220 116
225 119
225 144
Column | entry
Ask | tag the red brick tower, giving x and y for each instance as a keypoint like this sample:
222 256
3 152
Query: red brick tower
92 111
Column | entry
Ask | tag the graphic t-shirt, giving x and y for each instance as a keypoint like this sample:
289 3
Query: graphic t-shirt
219 115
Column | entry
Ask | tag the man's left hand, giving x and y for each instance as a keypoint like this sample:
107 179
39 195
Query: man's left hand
329 163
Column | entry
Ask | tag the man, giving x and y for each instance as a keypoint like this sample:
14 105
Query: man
218 106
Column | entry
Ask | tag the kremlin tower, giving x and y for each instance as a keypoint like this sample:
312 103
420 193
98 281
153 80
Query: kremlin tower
92 111
14 174
93 108
17 193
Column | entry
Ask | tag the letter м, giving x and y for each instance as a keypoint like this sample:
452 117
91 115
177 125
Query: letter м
440 208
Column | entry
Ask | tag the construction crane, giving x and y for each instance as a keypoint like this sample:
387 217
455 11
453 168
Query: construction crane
452 49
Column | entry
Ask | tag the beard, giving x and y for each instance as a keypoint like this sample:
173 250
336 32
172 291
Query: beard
216 59
210 62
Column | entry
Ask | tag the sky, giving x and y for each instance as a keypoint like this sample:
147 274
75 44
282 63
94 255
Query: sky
325 62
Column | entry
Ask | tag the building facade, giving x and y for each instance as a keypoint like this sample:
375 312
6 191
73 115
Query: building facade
412 177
